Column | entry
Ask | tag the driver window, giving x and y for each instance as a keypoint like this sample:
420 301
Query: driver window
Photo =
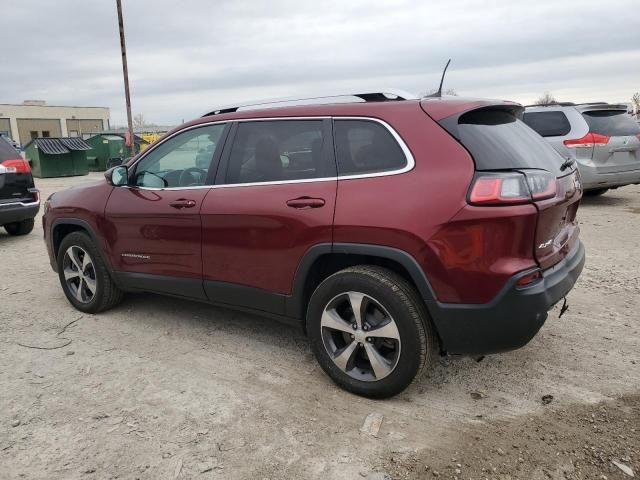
181 161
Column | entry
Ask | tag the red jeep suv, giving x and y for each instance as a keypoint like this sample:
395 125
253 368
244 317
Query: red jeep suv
390 228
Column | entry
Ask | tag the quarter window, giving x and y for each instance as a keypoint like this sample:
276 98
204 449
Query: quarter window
181 161
365 146
548 124
279 150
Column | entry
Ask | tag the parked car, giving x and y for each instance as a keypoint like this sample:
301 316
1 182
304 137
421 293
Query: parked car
19 198
390 229
602 138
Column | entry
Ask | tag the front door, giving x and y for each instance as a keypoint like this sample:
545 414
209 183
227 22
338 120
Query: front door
274 199
154 227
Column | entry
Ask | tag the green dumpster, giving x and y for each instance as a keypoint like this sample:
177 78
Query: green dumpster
107 150
57 157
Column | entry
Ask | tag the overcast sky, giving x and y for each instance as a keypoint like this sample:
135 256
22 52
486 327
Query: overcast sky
187 56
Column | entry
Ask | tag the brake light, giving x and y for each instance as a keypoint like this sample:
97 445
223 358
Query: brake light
18 165
512 188
589 140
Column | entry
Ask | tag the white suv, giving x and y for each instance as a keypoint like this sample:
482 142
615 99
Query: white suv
603 139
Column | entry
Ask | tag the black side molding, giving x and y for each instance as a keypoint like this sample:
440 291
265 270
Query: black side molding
177 286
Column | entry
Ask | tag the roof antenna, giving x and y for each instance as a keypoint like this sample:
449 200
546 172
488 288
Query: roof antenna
439 92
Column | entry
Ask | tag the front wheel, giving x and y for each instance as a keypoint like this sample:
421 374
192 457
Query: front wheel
370 331
84 277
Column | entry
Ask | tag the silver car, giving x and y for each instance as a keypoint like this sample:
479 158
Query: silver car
602 138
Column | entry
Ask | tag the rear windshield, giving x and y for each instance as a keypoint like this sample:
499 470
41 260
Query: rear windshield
612 123
498 140
548 124
7 151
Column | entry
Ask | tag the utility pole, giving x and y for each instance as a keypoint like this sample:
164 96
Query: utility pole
125 73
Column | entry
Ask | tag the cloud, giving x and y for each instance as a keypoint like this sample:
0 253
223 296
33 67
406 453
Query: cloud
187 57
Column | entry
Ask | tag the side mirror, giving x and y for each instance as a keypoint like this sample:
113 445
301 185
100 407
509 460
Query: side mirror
117 176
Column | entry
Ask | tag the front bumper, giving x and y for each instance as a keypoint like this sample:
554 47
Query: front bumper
511 319
17 212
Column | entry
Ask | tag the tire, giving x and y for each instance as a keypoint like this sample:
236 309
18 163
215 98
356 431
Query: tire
77 289
596 192
385 297
20 228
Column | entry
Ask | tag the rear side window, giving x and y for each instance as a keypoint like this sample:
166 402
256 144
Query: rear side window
365 146
548 124
7 152
279 150
497 140
612 123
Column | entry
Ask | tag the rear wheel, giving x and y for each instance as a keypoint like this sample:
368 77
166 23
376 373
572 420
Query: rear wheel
370 331
84 276
20 228
596 192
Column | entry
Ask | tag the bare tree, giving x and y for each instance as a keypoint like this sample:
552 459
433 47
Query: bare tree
546 99
139 122
448 91
635 102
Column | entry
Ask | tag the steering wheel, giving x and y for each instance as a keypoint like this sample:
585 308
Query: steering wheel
187 175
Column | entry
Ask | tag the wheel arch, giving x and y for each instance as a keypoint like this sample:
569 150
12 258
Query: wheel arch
323 260
64 226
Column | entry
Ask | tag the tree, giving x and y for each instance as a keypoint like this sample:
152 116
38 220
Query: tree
139 122
546 99
448 91
635 102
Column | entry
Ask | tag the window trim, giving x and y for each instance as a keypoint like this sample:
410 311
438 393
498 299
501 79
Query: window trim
227 145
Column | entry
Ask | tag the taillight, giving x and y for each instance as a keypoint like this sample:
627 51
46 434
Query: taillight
511 188
36 194
589 140
18 165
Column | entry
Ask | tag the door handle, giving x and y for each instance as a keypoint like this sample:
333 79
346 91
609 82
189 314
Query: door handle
183 203
306 202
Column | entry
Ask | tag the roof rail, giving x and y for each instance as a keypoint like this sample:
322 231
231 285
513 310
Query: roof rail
372 96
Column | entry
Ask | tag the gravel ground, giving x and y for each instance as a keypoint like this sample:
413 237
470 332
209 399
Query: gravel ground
161 388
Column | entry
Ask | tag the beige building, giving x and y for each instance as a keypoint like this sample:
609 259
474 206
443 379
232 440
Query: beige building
34 118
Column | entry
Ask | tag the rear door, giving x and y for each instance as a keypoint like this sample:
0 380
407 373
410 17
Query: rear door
274 199
616 145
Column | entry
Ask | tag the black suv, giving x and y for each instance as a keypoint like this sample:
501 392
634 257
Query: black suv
19 199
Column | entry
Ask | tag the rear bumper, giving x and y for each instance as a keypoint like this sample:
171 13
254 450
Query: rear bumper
18 212
592 179
511 319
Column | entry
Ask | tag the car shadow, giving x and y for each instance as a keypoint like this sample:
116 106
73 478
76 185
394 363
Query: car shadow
609 199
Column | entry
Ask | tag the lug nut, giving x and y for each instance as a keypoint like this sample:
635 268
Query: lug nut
369 339
353 336
365 327
354 326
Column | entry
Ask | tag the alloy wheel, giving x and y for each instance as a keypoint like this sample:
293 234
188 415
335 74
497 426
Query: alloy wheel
79 274
360 336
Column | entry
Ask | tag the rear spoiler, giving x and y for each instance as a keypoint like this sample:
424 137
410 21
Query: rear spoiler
439 109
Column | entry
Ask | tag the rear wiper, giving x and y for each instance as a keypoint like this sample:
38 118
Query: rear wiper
567 163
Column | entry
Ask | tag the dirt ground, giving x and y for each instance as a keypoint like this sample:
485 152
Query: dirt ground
165 389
